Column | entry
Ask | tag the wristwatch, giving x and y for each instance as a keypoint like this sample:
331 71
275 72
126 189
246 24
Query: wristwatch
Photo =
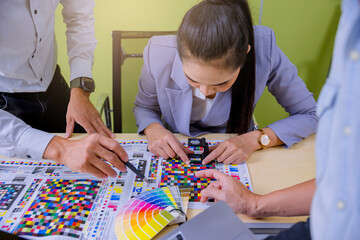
264 139
86 84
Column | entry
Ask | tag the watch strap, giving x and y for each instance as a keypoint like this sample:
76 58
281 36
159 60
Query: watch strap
81 83
259 140
75 83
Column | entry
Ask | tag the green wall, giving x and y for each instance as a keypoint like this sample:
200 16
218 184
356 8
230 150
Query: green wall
304 29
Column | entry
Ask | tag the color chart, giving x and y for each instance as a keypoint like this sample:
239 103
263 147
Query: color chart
235 172
60 208
154 162
8 194
176 173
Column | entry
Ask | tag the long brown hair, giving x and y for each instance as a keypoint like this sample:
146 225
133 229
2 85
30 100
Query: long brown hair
223 29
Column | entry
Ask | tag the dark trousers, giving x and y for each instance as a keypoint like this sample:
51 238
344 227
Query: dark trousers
42 110
299 231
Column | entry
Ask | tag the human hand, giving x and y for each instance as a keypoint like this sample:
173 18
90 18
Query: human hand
164 144
87 155
82 111
234 150
229 190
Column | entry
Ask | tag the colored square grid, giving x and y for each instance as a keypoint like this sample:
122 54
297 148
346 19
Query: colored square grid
29 192
60 208
8 194
153 168
176 173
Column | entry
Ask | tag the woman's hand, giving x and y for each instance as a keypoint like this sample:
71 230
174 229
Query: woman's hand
238 149
164 144
234 150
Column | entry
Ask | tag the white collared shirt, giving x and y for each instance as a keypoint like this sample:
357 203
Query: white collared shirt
201 105
28 51
28 60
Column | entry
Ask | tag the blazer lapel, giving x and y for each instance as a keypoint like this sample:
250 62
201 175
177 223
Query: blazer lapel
180 100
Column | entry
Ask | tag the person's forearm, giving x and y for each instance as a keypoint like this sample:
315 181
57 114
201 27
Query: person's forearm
55 147
255 135
153 126
292 201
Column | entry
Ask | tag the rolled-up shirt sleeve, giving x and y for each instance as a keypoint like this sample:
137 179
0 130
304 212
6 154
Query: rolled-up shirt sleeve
292 94
80 32
17 139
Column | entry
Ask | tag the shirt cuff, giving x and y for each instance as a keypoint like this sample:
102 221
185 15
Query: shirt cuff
32 144
284 133
80 67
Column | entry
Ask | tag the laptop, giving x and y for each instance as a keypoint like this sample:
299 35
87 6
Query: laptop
217 222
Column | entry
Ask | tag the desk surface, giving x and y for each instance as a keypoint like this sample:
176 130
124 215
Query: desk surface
270 169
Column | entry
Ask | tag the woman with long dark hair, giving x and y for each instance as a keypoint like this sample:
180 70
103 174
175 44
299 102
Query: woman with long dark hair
208 78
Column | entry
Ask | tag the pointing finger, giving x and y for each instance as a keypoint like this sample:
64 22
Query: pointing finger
208 192
69 127
214 154
211 173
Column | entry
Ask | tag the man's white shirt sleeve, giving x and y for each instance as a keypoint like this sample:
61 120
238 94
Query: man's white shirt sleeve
81 42
19 140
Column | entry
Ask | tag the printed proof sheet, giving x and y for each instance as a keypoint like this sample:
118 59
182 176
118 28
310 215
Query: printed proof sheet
48 200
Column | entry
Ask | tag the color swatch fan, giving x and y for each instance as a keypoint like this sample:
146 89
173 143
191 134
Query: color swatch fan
148 213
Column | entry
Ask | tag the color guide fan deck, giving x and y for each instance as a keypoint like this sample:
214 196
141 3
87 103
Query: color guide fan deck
148 213
48 200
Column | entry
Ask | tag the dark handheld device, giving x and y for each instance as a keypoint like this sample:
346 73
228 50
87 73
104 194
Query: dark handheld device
200 148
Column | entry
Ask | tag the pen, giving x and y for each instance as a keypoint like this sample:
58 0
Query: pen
137 172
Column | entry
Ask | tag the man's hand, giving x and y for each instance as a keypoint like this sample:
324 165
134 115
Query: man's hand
230 190
164 144
81 110
88 154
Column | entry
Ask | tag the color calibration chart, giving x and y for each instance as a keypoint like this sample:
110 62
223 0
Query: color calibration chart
48 200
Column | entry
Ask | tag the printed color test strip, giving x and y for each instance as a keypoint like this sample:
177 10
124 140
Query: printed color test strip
8 194
176 173
61 208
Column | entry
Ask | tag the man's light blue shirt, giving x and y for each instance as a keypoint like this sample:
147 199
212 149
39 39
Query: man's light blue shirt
335 209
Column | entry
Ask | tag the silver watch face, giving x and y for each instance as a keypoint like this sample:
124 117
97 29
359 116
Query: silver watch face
265 140
88 84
